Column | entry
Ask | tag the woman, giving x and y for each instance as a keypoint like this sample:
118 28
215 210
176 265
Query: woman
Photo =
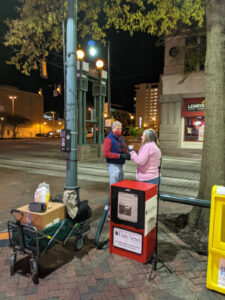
148 158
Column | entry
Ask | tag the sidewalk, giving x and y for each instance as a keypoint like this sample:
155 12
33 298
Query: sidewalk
91 273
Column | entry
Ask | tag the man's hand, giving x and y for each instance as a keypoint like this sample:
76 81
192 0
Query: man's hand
125 156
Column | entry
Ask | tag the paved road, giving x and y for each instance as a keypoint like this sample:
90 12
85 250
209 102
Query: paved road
43 157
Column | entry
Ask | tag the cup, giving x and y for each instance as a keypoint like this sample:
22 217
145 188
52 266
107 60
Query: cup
130 148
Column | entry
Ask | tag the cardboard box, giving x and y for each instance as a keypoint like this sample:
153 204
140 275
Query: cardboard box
55 213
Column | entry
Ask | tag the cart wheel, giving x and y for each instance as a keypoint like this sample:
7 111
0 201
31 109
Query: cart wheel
79 243
34 270
12 263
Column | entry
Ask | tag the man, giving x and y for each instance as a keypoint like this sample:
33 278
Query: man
115 151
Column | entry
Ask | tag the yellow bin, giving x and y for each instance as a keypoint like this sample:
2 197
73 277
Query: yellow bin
216 257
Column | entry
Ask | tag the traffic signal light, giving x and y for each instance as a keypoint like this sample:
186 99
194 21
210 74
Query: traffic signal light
40 92
44 72
59 89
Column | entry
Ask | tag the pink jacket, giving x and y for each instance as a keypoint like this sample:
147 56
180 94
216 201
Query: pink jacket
148 161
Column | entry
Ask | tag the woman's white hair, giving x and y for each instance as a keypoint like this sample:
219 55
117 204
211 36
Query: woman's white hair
150 136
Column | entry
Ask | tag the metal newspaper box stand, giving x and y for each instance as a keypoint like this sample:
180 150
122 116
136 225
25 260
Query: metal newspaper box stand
133 219
216 257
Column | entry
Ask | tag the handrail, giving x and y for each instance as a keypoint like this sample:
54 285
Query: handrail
187 201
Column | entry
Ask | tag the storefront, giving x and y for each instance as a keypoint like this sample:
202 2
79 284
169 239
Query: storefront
192 123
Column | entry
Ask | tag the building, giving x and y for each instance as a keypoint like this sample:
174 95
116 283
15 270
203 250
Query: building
28 105
117 113
148 109
182 99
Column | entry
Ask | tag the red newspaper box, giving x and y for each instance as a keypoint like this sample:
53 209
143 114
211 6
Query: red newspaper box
133 209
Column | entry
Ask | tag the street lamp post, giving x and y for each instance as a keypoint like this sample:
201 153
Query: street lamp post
53 119
93 52
109 78
13 98
71 95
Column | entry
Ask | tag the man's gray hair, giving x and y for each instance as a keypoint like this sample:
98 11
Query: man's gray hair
116 123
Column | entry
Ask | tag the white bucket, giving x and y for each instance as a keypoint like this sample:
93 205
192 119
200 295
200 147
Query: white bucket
42 195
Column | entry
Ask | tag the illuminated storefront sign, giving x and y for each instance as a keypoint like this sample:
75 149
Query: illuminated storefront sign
193 107
193 113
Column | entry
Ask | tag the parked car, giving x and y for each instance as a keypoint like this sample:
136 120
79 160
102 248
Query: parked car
40 135
53 134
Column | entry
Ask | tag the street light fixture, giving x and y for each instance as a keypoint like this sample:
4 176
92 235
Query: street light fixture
13 98
92 51
80 54
99 64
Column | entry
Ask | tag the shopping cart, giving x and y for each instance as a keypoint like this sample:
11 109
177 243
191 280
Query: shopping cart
27 240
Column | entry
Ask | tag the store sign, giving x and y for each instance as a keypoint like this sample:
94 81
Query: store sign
195 107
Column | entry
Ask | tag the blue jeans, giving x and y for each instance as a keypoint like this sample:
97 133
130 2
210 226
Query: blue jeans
154 181
115 173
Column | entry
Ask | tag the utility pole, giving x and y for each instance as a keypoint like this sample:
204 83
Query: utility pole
53 120
71 95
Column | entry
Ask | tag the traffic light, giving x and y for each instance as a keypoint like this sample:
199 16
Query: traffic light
44 72
40 92
59 89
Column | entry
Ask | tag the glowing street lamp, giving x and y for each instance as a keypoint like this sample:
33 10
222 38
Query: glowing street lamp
93 51
13 98
99 64
80 54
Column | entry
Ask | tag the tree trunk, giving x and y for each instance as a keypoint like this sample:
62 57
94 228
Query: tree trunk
14 132
213 157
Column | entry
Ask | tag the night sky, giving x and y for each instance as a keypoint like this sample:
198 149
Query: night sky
133 60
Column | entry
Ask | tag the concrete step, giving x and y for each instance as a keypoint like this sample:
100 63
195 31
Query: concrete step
180 182
184 174
181 164
178 191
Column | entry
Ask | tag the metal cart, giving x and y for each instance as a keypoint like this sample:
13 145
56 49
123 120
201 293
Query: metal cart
28 240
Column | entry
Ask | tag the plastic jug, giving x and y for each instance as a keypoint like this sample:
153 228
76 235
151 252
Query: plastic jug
42 193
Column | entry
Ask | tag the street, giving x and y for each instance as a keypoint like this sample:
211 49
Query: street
24 163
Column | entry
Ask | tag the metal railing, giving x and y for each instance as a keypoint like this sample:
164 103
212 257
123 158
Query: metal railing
183 200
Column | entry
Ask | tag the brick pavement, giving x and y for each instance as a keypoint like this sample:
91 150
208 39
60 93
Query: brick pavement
91 273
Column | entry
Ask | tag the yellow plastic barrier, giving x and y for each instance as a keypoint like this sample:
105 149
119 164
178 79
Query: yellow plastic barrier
216 256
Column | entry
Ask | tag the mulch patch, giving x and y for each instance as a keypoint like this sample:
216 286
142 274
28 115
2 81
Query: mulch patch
177 223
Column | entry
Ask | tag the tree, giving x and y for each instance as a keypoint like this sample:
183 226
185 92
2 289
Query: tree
3 123
37 31
15 121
